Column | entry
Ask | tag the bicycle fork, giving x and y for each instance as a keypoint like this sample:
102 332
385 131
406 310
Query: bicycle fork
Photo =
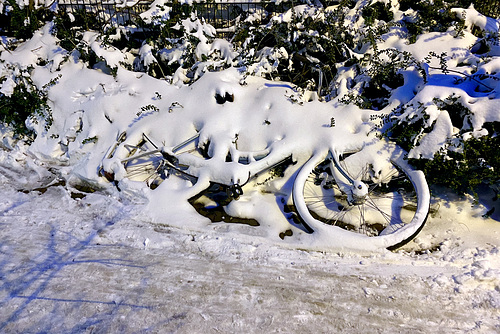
356 190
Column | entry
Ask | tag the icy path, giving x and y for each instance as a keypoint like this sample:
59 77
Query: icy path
93 266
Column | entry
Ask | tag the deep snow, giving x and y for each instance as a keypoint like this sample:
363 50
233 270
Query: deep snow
98 265
145 261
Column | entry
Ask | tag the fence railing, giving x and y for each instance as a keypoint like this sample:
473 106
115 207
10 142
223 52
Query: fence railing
223 15
106 11
220 14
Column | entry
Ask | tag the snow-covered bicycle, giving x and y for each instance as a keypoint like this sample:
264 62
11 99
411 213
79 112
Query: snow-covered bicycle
377 203
360 195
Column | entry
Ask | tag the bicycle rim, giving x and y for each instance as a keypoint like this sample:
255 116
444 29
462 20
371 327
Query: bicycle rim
146 163
392 214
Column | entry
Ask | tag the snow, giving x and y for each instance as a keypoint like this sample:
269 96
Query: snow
112 56
98 264
157 13
142 260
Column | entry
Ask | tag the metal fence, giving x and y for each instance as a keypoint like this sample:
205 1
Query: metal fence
219 13
224 15
106 11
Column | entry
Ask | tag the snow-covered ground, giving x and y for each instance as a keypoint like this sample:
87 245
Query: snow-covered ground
142 260
98 265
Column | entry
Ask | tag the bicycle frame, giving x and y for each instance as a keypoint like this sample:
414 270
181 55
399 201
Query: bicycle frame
174 159
372 212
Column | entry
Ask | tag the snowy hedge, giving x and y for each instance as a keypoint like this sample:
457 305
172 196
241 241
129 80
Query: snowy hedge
433 71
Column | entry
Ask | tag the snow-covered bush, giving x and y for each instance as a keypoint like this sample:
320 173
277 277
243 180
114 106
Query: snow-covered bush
316 47
304 45
19 21
69 27
371 54
22 103
424 16
180 46
344 53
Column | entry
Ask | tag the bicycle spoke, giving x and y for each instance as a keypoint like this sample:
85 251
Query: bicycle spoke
386 204
361 215
391 200
340 216
388 217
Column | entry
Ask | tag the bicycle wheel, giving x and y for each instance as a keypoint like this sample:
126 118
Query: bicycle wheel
146 162
391 214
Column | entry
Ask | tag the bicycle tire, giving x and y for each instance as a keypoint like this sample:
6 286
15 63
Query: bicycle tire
146 162
395 210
